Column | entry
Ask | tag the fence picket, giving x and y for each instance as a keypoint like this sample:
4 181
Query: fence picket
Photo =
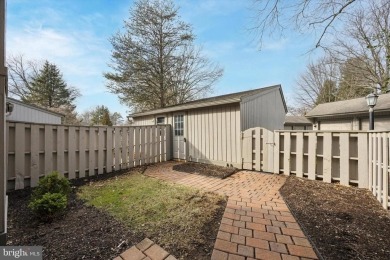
19 155
363 160
100 150
287 154
48 149
71 152
34 170
109 150
277 153
91 151
60 150
299 154
311 157
117 143
82 151
384 189
131 146
344 158
375 165
258 144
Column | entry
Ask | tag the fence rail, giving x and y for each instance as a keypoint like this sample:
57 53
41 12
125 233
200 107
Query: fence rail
35 150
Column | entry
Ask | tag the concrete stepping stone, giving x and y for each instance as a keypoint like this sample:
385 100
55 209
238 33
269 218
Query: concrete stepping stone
145 250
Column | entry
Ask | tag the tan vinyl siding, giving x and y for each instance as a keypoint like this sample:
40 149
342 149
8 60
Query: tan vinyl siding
336 125
22 113
263 110
380 124
213 135
145 120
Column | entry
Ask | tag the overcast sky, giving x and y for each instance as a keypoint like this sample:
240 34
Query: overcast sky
74 34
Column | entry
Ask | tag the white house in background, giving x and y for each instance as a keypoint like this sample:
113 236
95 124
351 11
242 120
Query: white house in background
209 130
23 112
297 123
350 115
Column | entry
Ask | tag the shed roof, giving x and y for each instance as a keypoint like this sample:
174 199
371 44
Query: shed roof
296 120
15 101
212 101
349 107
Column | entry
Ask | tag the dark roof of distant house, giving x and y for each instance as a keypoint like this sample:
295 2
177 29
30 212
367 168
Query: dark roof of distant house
349 107
296 120
212 101
12 100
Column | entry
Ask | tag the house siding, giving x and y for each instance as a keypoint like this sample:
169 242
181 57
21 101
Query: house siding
265 110
23 113
144 120
213 135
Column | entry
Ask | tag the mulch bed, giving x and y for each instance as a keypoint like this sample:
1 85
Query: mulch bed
342 222
205 169
85 232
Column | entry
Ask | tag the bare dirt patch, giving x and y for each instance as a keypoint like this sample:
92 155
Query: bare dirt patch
205 169
342 222
86 232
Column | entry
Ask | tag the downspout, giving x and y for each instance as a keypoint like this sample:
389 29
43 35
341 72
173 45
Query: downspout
3 152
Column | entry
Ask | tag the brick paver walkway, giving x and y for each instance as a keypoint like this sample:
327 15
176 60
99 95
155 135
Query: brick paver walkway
256 224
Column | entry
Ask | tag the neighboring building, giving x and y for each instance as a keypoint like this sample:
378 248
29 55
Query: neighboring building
297 123
23 112
209 130
350 115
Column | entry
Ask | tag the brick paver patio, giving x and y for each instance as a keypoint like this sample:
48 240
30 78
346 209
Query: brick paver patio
256 223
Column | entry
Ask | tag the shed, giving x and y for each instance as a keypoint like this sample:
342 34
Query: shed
209 130
350 114
23 112
297 123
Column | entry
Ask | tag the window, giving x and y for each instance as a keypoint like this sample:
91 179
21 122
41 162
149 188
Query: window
160 120
179 125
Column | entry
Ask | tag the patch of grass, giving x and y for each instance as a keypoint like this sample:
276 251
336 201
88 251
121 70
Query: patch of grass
172 215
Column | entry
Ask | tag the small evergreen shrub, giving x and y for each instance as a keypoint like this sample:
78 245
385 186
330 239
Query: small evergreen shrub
50 197
52 183
48 205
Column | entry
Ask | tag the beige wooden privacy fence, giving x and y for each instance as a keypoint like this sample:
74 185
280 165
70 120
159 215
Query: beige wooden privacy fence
349 157
35 150
257 149
378 166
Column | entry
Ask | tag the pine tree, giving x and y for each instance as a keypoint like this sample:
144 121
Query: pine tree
100 116
49 90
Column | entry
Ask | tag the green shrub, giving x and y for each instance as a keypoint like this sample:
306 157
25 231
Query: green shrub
52 183
48 205
50 197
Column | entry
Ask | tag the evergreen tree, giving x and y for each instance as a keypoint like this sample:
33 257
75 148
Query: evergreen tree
327 92
100 116
49 90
